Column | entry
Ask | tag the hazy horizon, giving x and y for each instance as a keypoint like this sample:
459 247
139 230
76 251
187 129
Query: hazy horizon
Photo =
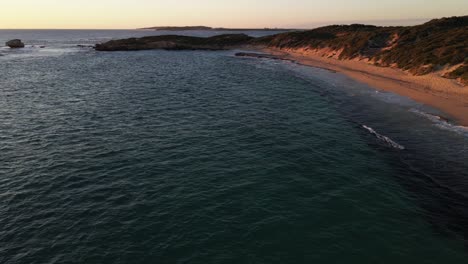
401 22
122 14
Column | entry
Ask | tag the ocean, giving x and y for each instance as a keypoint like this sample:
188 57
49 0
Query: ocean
204 157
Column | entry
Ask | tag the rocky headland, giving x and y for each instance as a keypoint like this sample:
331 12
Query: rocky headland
427 62
174 42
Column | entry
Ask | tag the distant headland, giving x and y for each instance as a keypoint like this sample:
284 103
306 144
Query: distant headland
193 28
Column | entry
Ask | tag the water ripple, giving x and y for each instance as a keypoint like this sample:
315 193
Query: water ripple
198 157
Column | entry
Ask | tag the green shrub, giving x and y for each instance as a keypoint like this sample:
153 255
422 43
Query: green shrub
420 49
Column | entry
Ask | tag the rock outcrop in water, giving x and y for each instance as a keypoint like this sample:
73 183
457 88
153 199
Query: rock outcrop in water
173 42
261 56
15 44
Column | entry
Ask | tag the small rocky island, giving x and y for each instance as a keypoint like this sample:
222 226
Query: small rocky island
15 44
174 42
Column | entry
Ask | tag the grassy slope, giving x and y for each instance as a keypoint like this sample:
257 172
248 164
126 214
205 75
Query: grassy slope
421 49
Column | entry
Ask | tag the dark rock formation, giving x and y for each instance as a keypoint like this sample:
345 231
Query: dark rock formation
15 44
261 56
173 42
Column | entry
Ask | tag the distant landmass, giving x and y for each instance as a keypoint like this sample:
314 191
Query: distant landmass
188 28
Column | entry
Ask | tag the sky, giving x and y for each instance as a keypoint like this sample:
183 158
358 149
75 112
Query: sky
129 14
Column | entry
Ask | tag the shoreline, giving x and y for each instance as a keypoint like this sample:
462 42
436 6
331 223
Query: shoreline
440 93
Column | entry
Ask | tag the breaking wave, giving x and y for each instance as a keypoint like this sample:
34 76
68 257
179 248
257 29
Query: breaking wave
389 142
442 123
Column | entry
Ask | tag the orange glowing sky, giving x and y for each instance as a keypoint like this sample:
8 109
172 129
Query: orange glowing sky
123 14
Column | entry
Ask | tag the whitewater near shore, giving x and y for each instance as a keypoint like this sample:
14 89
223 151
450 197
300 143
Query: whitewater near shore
443 94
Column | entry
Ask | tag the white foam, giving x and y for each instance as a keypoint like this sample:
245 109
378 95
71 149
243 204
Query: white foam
383 138
441 123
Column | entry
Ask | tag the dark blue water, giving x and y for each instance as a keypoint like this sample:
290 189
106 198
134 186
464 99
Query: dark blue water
202 157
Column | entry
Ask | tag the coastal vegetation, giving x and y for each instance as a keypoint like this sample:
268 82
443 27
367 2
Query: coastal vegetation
438 45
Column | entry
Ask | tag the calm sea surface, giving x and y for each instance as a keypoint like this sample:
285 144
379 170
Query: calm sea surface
202 157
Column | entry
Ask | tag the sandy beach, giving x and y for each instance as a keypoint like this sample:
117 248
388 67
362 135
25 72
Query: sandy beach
443 94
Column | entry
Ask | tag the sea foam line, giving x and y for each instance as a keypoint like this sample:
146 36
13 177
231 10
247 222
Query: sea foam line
383 138
442 123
